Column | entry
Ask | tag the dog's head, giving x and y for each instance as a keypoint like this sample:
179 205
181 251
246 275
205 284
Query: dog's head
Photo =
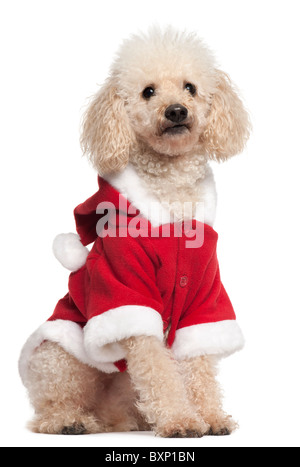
165 91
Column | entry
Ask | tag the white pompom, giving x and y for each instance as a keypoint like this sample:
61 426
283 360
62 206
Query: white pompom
69 251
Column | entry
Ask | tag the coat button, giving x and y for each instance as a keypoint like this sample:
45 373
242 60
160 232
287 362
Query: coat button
183 281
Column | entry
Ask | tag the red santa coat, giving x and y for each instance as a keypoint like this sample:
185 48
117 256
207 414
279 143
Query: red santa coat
138 280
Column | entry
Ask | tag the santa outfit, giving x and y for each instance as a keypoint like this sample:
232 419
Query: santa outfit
137 280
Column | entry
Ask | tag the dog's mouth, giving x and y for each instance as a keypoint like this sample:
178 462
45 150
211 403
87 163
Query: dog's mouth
176 129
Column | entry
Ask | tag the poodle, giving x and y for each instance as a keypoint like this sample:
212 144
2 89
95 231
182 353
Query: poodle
135 344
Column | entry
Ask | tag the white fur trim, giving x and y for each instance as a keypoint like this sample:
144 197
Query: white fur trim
222 338
68 335
69 251
132 187
103 333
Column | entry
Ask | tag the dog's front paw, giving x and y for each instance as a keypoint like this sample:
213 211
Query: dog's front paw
74 429
186 428
222 426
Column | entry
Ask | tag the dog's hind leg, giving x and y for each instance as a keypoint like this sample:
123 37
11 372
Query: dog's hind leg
63 392
200 376
163 400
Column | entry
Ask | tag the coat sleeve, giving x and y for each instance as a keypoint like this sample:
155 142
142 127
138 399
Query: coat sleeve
208 327
123 299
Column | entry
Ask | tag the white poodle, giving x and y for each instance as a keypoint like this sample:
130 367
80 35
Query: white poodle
135 343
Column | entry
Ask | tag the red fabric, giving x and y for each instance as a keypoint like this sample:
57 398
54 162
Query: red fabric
182 284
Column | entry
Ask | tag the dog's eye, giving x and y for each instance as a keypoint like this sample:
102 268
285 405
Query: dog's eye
191 88
148 92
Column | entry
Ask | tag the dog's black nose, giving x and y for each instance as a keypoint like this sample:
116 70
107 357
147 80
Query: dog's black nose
176 113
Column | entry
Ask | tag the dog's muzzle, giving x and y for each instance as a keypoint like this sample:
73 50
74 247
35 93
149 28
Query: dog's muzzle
176 120
176 113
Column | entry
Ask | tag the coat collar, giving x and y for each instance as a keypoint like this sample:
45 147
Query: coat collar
132 187
134 193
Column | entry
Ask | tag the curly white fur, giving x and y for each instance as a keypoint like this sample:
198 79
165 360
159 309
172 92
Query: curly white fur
121 126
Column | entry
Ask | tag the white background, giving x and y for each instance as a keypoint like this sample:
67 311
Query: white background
53 56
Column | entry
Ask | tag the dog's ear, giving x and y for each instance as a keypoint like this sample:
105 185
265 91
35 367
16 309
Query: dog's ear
106 132
228 126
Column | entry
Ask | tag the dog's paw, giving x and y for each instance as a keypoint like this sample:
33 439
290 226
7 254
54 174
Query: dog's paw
223 426
74 429
183 429
65 424
185 434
